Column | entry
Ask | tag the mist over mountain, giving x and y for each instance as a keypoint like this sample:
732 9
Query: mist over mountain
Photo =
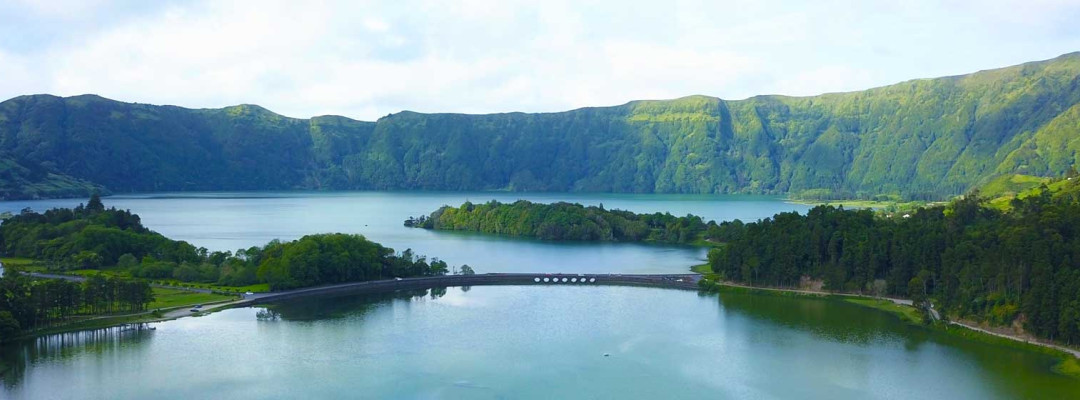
926 138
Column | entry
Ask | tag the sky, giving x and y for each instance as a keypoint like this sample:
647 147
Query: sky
366 59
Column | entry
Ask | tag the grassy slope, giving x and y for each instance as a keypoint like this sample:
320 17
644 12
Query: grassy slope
1028 186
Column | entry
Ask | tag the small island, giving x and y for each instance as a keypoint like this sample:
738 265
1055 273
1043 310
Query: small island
565 221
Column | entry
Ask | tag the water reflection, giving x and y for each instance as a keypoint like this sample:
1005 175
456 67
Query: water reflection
18 357
345 305
827 319
1012 371
532 342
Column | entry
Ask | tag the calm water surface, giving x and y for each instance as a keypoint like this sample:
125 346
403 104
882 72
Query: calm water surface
229 221
533 343
506 342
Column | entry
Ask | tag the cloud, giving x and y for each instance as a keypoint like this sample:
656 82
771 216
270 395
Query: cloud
365 59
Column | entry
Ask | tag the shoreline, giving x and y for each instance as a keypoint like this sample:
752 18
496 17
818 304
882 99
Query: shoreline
686 281
1065 351
690 281
1032 341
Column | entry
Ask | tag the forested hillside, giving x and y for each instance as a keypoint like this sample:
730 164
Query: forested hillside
973 261
928 138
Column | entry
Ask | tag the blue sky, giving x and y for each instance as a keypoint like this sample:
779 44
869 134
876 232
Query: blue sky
367 59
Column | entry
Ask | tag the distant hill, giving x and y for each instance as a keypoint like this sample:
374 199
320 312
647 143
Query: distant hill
922 139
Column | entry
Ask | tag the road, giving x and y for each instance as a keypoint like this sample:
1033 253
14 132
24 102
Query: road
675 281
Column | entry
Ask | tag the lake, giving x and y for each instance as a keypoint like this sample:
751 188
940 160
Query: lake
230 221
507 341
530 342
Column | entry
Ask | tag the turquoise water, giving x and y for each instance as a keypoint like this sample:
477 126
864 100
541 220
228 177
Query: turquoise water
229 221
530 342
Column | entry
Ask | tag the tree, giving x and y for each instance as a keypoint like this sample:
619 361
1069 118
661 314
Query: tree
95 206
87 260
127 261
467 270
916 290
9 326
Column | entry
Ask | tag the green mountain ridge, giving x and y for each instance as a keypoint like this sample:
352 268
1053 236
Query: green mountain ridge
925 139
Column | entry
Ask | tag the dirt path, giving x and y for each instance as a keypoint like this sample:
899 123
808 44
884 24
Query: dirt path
933 312
1075 353
904 302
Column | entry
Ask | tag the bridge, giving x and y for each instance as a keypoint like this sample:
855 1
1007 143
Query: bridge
673 281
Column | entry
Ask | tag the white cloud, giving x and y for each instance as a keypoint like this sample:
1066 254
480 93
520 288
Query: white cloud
367 59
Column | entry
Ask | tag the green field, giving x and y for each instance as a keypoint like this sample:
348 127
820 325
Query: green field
705 271
169 298
1021 187
23 263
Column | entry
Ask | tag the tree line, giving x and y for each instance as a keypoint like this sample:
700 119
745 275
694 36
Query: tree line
27 303
563 221
971 261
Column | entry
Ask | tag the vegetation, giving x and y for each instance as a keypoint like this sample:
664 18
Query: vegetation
21 182
169 298
907 313
336 258
917 140
1002 190
120 257
27 304
972 261
563 221
91 239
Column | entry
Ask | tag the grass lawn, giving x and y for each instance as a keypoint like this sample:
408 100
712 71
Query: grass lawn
19 262
168 298
705 271
24 264
256 288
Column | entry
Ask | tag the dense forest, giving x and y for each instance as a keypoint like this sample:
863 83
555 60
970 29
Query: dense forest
563 221
921 139
971 261
27 303
93 237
